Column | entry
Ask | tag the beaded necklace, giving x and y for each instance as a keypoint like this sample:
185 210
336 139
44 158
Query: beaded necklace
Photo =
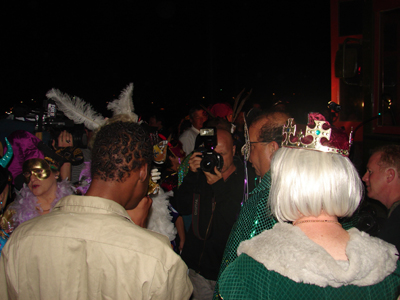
323 221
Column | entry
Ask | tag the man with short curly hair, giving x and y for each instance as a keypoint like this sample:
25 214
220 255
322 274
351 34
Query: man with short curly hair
382 180
117 151
88 247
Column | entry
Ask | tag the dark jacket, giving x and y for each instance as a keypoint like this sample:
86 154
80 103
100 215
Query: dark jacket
390 231
203 253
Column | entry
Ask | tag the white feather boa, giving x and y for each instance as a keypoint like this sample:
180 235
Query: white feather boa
159 219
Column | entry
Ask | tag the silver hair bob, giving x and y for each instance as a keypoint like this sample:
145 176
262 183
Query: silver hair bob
307 182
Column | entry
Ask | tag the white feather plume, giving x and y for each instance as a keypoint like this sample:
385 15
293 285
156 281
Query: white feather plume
124 104
76 109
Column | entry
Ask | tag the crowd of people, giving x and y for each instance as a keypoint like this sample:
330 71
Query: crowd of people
266 209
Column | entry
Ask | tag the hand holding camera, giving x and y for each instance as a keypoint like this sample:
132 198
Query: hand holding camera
205 158
213 178
194 162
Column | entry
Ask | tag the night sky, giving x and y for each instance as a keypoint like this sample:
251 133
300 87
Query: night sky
175 52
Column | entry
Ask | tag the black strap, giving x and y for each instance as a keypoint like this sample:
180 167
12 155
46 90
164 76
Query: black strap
196 217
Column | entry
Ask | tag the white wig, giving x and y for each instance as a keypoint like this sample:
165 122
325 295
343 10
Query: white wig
307 182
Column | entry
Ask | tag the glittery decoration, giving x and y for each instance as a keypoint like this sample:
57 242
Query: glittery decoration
3 239
160 152
153 188
6 224
246 186
246 147
183 169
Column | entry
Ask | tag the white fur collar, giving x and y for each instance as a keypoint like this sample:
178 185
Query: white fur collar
286 250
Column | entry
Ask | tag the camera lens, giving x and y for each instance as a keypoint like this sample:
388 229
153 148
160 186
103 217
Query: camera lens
208 163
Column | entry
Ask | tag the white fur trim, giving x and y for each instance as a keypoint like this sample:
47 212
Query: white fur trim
286 250
159 217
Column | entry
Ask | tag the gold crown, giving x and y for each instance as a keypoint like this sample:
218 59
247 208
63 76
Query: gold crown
317 133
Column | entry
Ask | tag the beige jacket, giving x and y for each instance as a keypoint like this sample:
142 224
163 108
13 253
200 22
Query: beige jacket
88 248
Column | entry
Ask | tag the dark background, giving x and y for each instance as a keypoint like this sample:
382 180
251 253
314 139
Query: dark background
175 52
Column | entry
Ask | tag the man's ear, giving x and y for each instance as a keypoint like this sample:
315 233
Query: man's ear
234 150
272 147
143 173
390 175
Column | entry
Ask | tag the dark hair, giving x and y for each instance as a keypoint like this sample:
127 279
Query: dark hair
193 110
159 116
254 115
272 129
390 156
271 132
219 123
120 148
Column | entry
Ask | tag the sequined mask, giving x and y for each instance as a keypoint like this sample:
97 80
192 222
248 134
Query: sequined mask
36 166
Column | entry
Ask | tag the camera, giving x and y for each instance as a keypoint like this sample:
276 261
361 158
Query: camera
205 143
48 119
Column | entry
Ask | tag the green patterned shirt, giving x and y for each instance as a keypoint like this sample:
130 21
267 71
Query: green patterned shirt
249 279
254 217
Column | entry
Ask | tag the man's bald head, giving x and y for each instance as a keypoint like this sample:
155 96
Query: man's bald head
226 148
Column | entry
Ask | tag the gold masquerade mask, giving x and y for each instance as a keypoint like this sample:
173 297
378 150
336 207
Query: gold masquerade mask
38 167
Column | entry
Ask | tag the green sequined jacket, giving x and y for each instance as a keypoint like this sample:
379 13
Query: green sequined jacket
283 263
254 218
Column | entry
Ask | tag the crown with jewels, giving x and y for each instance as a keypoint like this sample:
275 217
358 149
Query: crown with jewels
319 135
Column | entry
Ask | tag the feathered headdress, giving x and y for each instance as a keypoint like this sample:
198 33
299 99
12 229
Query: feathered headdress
124 104
237 108
76 109
81 112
